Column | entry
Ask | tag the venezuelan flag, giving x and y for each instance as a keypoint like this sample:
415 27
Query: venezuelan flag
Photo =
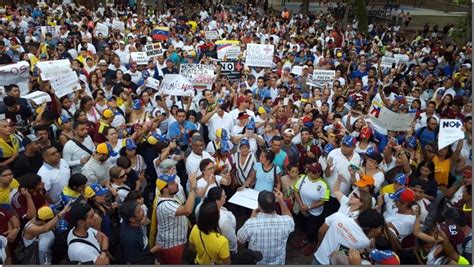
160 33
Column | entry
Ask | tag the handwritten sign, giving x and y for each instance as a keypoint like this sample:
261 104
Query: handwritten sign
211 35
298 70
54 30
176 84
387 62
38 97
450 131
319 78
231 69
65 84
53 68
228 52
201 76
152 83
259 55
102 28
392 121
153 50
18 73
140 57
401 58
118 25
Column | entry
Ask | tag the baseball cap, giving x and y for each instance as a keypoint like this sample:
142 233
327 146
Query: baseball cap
95 189
30 139
289 131
400 179
348 140
164 180
261 110
384 257
411 142
220 132
155 138
452 231
63 119
137 104
251 125
315 167
107 113
247 256
328 148
121 42
244 142
467 65
106 149
45 213
403 195
243 115
112 97
364 181
365 132
130 144
102 62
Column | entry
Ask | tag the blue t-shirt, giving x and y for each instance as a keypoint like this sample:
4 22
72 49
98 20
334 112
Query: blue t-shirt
281 159
425 135
265 179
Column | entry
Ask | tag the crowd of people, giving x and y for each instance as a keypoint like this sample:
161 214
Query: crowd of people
120 173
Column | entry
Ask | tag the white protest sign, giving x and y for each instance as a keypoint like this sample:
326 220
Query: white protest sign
297 70
54 30
175 84
152 83
319 78
247 198
401 58
259 55
39 97
199 75
18 73
101 28
392 121
65 84
228 52
211 35
387 62
53 68
153 50
118 25
140 57
450 131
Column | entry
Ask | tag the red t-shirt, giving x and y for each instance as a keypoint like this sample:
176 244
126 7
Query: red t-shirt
20 205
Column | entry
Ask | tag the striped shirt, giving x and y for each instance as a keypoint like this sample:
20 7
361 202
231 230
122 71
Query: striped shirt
243 169
268 233
172 230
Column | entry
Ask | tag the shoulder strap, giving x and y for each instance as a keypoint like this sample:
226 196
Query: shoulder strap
204 246
167 200
123 188
274 174
83 241
83 147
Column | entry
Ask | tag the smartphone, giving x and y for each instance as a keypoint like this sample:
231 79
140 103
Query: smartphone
285 101
354 167
343 249
330 160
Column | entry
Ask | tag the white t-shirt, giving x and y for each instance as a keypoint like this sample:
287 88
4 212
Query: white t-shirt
341 165
83 252
346 209
404 223
201 184
216 122
342 231
55 179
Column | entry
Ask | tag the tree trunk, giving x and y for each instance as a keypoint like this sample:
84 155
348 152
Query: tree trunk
361 15
346 14
305 7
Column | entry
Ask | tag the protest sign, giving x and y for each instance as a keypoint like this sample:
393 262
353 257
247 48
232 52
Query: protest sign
401 58
231 69
259 55
176 84
54 30
152 83
390 120
387 62
38 97
319 78
139 57
297 70
65 84
153 50
247 198
211 35
101 28
228 51
53 68
118 25
450 131
18 73
201 76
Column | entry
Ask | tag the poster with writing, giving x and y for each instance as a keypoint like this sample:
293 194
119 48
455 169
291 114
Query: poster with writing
118 25
102 28
319 78
392 121
153 50
211 35
140 57
231 69
65 84
201 76
152 83
53 68
259 55
18 73
176 84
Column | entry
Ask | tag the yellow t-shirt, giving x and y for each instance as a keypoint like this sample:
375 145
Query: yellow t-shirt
217 247
442 168
193 25
6 193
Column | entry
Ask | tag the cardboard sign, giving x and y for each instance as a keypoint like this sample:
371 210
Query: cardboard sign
140 57
211 35
201 76
387 62
319 78
65 84
176 84
259 55
231 69
101 28
401 59
153 50
38 97
18 73
450 131
390 120
152 83
118 25
53 68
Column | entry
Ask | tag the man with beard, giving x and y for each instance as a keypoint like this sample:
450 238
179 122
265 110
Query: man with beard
77 151
30 160
97 168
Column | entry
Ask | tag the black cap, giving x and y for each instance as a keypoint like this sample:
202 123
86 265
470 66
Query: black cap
247 256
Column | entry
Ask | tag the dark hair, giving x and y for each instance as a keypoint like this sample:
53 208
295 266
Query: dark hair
180 110
44 150
78 212
269 154
3 169
214 194
133 195
29 180
370 219
9 101
84 100
77 123
107 129
114 172
77 180
208 218
127 210
266 201
77 113
204 163
124 162
276 138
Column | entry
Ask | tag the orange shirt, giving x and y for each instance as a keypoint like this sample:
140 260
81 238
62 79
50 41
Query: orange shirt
442 168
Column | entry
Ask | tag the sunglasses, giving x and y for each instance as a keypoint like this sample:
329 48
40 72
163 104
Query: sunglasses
356 196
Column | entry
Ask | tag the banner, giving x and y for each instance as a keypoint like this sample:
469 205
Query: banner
387 62
319 78
18 73
153 50
259 55
65 84
53 68
450 131
390 120
140 57
176 84
54 30
101 28
211 35
152 83
38 97
118 25
200 75
231 69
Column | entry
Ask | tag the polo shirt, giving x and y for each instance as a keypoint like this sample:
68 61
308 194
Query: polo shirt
9 147
312 191
193 160
55 178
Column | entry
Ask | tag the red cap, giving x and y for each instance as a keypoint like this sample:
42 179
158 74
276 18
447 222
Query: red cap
365 132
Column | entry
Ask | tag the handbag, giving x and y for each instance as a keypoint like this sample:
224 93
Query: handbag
27 255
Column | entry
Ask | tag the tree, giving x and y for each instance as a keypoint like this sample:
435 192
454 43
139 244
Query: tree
360 10
305 7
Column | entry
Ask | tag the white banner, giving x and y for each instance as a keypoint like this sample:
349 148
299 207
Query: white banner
450 131
211 35
199 75
175 84
390 120
118 25
65 84
387 62
153 50
229 52
319 78
152 83
401 58
18 73
54 68
140 57
39 97
101 28
259 55
297 70
54 30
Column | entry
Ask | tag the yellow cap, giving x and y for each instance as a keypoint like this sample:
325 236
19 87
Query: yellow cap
45 213
339 54
107 113
261 110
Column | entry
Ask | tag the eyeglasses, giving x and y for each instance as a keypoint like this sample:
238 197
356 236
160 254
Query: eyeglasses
7 174
123 175
356 196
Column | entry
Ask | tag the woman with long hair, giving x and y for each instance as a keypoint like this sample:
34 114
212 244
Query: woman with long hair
371 168
244 161
113 139
65 131
94 82
80 115
364 140
87 105
425 172
8 185
266 175
206 239
100 100
353 205
338 107
208 178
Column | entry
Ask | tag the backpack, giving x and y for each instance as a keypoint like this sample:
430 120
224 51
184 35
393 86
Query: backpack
27 255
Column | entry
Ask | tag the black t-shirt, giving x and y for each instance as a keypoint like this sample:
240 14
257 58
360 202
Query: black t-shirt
20 117
133 245
5 59
24 164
